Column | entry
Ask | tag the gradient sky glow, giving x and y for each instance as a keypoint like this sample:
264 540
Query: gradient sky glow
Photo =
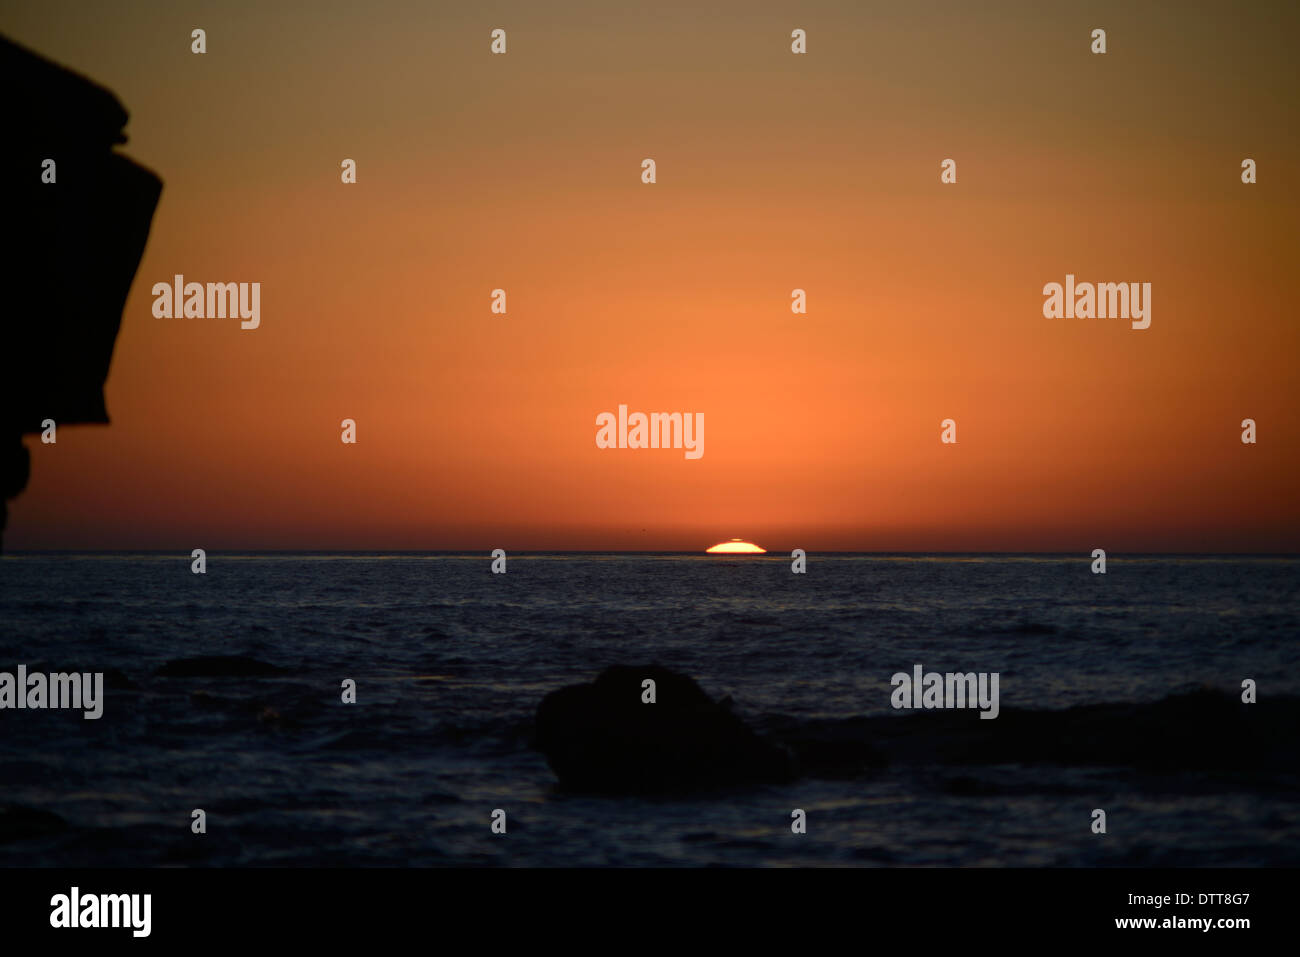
775 171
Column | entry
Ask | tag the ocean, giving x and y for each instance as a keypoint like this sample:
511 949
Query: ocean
1104 682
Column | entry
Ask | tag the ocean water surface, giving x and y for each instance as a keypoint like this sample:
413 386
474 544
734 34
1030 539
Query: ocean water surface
451 661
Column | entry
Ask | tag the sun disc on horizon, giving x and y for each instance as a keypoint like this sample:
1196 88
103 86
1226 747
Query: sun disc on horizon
736 546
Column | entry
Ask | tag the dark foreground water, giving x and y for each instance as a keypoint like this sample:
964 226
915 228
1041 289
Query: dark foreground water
451 661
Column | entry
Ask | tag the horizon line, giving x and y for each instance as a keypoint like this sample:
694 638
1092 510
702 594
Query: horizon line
612 551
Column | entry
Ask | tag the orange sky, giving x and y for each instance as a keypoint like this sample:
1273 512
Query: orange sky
775 171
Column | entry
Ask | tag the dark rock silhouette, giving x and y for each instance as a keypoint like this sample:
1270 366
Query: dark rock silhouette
72 250
1199 730
19 823
116 681
217 666
600 737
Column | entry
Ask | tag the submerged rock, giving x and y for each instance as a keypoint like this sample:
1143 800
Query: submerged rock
602 737
217 666
117 681
19 823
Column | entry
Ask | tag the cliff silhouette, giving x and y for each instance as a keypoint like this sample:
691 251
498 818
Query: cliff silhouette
73 247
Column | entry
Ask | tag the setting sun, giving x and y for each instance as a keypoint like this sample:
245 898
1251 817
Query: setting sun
736 546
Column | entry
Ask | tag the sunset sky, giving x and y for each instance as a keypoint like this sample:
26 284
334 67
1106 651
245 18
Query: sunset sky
775 171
